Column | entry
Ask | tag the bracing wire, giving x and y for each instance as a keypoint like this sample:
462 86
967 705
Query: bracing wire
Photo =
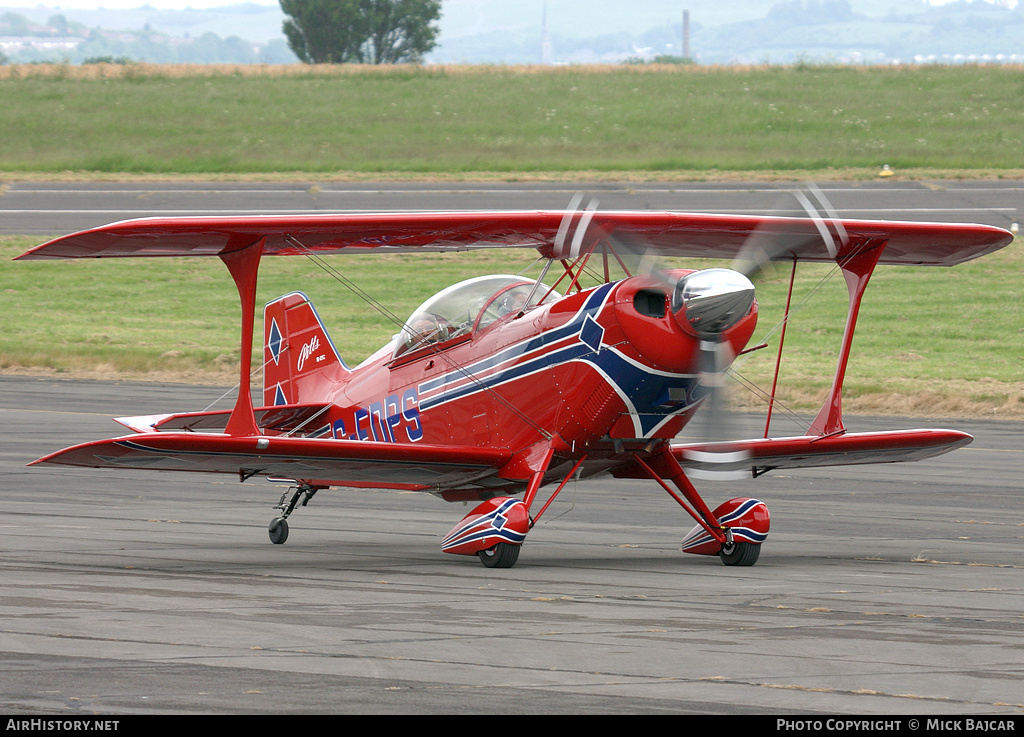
821 224
237 385
366 297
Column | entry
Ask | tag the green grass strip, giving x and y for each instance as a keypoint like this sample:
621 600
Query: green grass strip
929 340
515 120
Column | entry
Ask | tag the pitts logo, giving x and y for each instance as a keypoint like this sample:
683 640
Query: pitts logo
392 421
308 350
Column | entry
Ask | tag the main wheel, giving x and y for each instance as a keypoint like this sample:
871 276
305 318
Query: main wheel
502 555
739 554
278 530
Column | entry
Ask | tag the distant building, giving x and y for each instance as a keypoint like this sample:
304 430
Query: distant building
39 43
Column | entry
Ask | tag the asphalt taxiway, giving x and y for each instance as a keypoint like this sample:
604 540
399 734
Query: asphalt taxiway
895 589
55 208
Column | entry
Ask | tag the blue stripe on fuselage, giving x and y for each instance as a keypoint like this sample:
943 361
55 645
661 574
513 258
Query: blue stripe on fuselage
592 306
646 391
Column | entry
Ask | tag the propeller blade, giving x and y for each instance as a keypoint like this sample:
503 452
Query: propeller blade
777 240
716 355
559 250
563 226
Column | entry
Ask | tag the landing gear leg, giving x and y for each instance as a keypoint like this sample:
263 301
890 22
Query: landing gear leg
278 529
733 531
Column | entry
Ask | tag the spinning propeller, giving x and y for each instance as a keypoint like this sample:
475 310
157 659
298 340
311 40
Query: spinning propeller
711 301
776 240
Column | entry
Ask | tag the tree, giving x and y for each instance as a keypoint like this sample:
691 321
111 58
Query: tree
59 24
361 31
17 24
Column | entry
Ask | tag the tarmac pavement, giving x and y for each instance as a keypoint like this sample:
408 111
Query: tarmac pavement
889 590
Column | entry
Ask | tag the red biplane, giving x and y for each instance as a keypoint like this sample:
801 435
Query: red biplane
501 385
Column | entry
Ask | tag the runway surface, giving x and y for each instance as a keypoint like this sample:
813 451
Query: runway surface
55 208
892 589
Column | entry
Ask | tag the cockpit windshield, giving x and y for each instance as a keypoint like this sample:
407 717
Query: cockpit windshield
466 307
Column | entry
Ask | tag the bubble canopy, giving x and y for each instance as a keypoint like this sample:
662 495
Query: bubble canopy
466 307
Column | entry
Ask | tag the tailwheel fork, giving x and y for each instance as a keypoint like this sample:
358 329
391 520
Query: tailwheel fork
278 528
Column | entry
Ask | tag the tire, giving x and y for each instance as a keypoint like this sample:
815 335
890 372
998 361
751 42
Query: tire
740 554
502 555
278 530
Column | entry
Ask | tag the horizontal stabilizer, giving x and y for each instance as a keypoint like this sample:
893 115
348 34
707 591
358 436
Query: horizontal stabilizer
293 418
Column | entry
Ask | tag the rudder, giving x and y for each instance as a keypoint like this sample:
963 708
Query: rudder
298 354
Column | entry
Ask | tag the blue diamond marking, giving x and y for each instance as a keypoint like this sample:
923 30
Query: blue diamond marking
275 340
591 333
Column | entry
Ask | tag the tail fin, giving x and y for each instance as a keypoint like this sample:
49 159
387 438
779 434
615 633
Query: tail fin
299 357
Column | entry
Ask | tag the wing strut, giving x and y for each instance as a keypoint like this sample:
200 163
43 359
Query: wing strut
782 342
243 264
857 270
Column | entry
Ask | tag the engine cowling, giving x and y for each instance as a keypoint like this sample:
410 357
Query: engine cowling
664 317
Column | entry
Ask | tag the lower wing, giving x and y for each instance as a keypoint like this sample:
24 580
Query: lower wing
316 461
761 455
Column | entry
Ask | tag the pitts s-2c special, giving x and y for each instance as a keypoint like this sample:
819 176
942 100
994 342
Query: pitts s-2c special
501 385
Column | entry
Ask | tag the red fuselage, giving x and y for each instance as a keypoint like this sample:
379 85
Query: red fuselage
582 373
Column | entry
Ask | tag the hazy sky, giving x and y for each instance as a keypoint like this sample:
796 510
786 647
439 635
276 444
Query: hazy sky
178 4
128 4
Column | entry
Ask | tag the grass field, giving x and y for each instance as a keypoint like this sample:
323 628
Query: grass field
922 347
931 341
515 120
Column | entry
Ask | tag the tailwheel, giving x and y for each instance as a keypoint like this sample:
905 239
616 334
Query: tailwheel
278 530
502 555
739 553
301 494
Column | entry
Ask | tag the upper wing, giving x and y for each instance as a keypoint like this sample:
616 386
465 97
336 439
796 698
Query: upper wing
327 462
668 233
